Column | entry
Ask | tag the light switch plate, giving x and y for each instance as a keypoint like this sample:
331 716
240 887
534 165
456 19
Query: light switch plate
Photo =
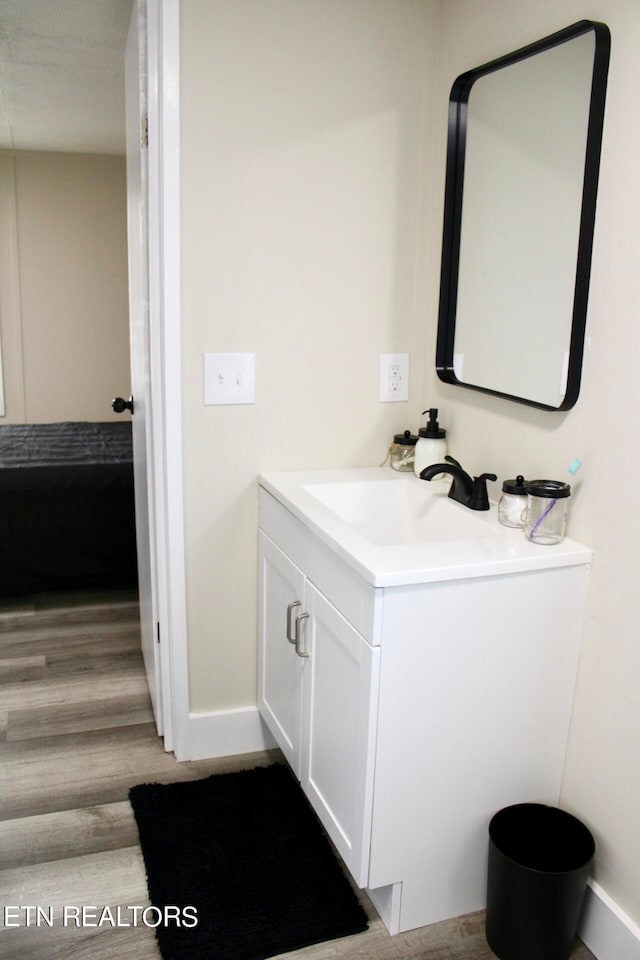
229 378
394 377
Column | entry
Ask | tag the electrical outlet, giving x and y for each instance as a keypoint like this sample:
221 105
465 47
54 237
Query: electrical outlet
394 377
229 378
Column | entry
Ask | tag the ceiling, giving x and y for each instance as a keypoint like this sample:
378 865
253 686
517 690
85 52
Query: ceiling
62 74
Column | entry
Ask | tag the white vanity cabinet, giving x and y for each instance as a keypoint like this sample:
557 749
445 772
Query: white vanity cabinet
417 701
318 695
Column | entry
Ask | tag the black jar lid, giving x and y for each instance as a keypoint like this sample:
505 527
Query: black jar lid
405 439
553 489
517 487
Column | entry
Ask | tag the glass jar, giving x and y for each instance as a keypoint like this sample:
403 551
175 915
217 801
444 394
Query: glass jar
403 451
547 510
512 505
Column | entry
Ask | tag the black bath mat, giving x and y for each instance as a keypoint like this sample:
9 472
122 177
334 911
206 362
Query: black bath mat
245 850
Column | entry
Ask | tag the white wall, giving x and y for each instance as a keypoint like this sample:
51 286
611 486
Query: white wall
602 775
301 126
312 215
64 299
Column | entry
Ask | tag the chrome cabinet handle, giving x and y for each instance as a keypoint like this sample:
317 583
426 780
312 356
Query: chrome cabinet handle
299 619
290 608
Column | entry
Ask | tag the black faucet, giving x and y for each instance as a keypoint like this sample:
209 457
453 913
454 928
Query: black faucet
470 491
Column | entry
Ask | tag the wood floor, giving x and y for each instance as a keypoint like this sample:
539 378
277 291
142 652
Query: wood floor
76 731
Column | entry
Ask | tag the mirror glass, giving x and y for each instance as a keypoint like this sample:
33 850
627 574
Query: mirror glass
522 170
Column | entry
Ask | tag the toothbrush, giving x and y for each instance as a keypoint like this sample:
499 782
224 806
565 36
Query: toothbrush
573 469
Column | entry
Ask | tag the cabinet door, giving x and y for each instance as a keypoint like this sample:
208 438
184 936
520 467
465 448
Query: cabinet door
279 669
340 700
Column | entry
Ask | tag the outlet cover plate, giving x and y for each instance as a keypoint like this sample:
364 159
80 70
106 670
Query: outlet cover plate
229 378
394 377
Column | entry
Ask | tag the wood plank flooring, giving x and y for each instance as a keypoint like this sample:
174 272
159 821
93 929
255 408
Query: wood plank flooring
76 732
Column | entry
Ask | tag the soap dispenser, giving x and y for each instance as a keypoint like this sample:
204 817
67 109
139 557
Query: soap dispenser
432 445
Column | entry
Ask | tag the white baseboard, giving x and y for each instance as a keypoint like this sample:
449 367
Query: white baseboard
224 733
607 930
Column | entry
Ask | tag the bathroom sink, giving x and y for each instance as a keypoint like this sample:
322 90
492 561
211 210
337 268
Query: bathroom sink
394 529
400 511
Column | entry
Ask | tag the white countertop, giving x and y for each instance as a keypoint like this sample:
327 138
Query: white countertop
492 549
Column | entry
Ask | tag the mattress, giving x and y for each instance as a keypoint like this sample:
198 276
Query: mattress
67 514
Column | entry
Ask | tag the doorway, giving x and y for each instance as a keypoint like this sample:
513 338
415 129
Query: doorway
169 615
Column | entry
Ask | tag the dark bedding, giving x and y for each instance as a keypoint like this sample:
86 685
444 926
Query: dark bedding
66 507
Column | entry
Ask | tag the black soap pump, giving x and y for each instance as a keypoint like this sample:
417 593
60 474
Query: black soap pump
432 445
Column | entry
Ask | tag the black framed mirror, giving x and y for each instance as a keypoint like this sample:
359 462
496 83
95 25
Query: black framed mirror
523 158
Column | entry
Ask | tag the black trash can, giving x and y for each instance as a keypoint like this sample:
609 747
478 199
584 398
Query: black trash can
539 863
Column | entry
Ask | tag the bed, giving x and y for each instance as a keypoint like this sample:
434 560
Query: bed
66 507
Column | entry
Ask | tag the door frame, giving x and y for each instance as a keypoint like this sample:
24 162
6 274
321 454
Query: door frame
163 104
